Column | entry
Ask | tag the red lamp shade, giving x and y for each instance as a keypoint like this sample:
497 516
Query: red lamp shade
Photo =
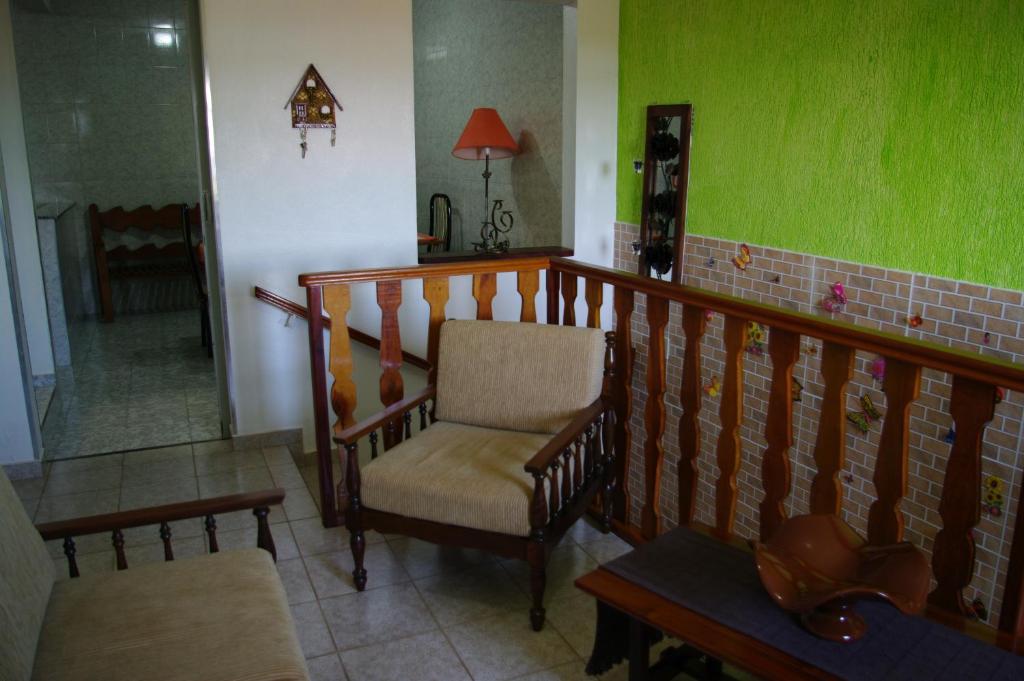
485 130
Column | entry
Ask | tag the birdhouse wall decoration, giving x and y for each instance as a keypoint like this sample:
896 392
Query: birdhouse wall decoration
313 105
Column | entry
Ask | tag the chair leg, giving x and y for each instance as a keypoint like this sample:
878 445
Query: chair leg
538 581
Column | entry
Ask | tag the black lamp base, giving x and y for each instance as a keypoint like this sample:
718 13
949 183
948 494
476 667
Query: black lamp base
493 229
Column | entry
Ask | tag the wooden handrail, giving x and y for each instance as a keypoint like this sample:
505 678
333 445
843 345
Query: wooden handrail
293 308
123 520
932 355
455 269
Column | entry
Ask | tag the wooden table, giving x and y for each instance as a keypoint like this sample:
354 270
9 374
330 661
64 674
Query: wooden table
707 593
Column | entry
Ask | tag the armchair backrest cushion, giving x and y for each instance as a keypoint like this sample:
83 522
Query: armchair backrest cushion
26 578
517 376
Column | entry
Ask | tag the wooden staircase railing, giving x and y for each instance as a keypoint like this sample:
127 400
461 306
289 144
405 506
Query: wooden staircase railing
974 387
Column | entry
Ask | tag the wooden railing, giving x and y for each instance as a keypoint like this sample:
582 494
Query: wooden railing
974 393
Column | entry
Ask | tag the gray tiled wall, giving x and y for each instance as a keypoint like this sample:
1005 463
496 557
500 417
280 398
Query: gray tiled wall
490 53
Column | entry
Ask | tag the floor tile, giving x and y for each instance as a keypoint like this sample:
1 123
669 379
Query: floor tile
505 647
278 455
312 537
426 657
88 463
298 504
296 581
566 564
215 446
423 559
331 573
158 493
376 616
211 464
76 505
284 544
575 618
235 482
606 548
326 668
314 636
477 593
576 671
287 476
65 482
140 470
584 530
30 488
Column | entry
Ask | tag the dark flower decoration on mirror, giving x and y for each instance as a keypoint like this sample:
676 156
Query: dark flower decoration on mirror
664 203
664 145
659 256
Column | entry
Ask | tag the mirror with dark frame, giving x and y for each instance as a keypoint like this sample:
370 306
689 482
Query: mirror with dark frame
666 178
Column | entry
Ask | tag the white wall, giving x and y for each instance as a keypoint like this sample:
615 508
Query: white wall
279 215
20 206
597 92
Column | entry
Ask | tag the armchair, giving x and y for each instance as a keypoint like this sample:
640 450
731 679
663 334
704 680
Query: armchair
517 446
220 616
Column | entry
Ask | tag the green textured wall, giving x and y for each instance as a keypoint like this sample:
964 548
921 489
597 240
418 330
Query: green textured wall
880 131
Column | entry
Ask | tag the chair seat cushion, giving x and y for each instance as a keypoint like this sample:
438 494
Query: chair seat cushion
219 617
458 475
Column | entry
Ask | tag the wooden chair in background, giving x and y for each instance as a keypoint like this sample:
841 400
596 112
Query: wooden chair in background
441 222
196 254
147 261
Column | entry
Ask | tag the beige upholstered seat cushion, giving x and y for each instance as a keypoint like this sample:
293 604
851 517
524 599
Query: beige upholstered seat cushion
458 475
26 577
516 376
219 617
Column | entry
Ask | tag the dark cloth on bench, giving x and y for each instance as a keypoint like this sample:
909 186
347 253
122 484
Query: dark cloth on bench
720 582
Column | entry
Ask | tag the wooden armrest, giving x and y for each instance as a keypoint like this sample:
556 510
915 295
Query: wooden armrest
350 435
563 438
108 522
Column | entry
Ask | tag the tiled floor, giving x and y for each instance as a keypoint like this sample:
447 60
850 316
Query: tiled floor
141 381
428 613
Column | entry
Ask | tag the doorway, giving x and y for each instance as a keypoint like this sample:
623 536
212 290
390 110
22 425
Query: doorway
112 106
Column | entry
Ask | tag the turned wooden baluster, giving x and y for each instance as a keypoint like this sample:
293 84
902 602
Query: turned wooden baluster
435 292
622 396
69 552
423 416
972 406
337 302
902 386
117 539
730 415
569 298
389 298
528 283
165 537
784 349
654 416
1011 617
264 539
594 294
485 287
567 474
211 533
830 447
551 286
556 504
690 395
373 444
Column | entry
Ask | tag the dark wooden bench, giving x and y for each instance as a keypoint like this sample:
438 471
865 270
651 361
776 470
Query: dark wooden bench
147 261
707 593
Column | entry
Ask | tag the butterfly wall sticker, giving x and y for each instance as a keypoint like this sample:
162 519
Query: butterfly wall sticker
742 259
867 415
836 299
915 321
713 388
